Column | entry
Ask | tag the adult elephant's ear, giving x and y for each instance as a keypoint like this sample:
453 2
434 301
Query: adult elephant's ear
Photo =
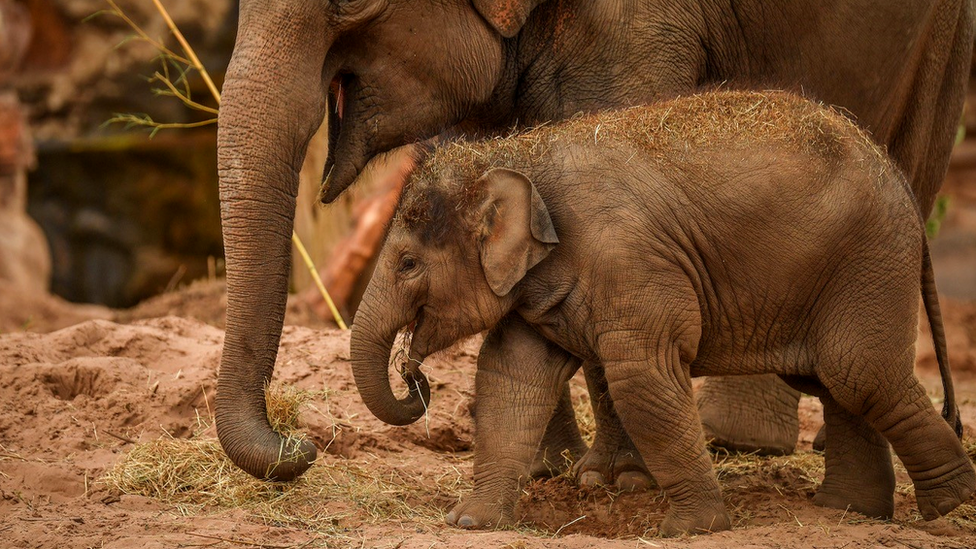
507 16
516 231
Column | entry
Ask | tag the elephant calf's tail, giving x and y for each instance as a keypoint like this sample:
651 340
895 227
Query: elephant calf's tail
930 297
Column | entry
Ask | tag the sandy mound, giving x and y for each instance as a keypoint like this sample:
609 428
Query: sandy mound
22 311
206 301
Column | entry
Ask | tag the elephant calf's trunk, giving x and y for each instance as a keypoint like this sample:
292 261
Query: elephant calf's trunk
370 352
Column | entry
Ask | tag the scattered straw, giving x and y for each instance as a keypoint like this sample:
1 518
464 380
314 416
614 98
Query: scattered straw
584 414
195 475
337 495
711 120
806 467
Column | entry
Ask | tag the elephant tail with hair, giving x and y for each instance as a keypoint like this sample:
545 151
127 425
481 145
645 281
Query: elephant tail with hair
930 297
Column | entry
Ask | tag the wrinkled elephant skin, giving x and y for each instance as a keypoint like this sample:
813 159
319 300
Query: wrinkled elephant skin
752 233
390 72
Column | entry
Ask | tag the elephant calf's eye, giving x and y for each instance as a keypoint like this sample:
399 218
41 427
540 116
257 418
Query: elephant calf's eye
407 264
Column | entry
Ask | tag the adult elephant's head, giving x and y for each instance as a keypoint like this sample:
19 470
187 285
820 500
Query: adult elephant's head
388 72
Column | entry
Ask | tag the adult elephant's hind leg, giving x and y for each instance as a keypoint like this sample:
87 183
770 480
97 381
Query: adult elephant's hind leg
750 414
859 475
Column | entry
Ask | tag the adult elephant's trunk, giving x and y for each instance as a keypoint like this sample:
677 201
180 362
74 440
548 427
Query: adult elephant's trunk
273 101
370 345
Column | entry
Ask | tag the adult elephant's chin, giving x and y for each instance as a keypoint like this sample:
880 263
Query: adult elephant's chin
338 177
348 138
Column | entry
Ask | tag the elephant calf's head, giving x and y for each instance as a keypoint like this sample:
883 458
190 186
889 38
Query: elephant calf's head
450 268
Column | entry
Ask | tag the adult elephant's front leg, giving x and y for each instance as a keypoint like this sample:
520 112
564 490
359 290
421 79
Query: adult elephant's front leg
750 414
518 386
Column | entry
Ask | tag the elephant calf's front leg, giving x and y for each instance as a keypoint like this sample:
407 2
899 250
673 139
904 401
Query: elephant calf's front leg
654 400
518 385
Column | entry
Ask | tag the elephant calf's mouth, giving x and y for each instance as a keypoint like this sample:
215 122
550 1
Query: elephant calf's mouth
407 363
403 344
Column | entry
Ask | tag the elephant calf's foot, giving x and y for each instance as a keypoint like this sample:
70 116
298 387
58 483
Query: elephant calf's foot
561 444
700 521
750 414
939 496
622 468
474 514
873 507
820 441
863 482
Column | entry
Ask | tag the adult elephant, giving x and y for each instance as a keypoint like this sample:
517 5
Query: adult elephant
390 72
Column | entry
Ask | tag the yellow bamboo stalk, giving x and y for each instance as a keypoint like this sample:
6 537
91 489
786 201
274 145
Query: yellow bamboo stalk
318 281
196 64
194 60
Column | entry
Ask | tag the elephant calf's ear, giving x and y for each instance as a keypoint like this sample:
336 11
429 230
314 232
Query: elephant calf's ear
517 230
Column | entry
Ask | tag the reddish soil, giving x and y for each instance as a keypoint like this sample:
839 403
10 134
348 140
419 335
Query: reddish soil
80 386
73 401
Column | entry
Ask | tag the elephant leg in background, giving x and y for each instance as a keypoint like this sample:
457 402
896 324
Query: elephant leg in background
562 444
654 399
859 474
520 381
750 413
612 459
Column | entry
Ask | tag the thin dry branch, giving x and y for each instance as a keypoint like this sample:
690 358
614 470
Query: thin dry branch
181 95
142 35
194 61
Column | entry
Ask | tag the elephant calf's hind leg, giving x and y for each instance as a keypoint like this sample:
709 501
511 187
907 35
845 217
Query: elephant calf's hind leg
562 443
859 475
613 458
936 461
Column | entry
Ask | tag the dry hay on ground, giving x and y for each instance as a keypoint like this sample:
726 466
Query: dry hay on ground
337 494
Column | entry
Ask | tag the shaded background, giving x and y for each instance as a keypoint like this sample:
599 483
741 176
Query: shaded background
127 217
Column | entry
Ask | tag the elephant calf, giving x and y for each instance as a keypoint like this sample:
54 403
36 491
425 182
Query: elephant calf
745 233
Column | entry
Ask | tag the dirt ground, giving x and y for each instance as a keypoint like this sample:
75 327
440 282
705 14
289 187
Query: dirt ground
82 389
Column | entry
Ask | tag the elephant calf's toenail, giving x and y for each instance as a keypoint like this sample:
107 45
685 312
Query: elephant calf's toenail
633 481
466 522
592 478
